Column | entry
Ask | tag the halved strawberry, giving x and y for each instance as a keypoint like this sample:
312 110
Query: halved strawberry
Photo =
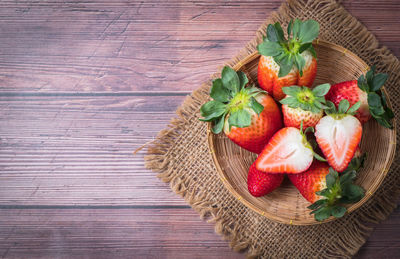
366 90
248 115
288 151
286 62
303 104
322 186
260 183
338 134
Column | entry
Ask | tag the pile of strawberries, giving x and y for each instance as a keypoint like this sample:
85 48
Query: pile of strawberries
316 141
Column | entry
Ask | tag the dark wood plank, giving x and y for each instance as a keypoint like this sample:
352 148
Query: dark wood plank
141 45
99 233
117 46
78 150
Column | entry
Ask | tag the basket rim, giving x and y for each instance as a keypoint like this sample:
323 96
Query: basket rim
350 209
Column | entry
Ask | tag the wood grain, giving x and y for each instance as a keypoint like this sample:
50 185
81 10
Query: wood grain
82 84
111 46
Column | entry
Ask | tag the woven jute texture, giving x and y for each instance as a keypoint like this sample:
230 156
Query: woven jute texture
181 156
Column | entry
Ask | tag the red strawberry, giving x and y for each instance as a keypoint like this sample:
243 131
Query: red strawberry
286 62
248 116
349 90
322 186
311 181
260 183
367 91
338 134
288 151
303 105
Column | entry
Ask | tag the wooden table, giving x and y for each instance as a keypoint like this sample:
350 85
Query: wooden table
83 84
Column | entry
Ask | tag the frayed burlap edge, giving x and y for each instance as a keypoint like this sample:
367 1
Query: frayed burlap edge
373 212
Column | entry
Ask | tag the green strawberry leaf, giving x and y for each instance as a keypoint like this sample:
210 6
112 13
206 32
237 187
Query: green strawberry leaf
256 106
305 46
269 48
330 180
240 119
219 92
343 106
317 204
243 80
375 104
378 81
279 32
212 110
352 192
325 192
309 30
321 90
218 124
338 211
296 28
383 120
289 28
355 164
272 34
334 173
323 213
319 158
347 177
362 83
353 109
331 108
370 75
291 90
284 67
300 63
289 101
313 52
230 79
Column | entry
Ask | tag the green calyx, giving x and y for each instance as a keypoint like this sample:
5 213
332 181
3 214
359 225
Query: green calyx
340 190
286 52
231 98
343 109
372 83
305 98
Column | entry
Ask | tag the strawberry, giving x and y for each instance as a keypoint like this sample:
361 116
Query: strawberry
303 104
322 186
248 115
367 91
288 151
286 62
260 183
311 181
338 134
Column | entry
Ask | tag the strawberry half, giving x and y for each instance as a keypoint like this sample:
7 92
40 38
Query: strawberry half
366 90
260 183
303 104
248 115
338 134
288 151
322 186
286 62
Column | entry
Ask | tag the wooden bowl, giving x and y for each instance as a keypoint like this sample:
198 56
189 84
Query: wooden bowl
285 204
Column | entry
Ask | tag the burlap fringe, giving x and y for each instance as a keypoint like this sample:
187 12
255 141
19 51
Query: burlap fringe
355 235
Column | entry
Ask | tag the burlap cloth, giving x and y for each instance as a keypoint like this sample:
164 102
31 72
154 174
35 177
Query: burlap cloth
181 156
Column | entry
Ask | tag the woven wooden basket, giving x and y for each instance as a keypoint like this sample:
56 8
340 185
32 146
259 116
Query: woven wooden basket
285 204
